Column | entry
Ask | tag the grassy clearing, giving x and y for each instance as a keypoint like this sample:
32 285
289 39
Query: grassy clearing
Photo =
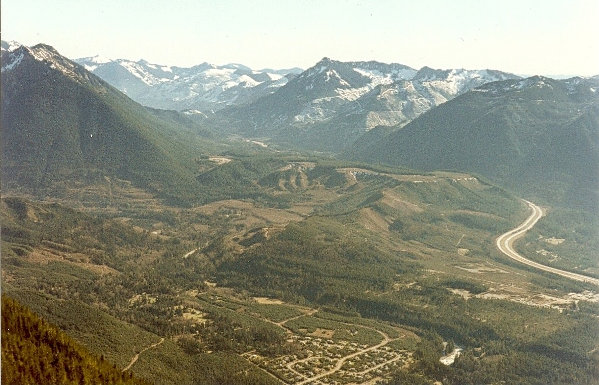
274 312
390 330
352 333
240 315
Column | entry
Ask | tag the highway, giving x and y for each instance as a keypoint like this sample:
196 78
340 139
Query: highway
506 241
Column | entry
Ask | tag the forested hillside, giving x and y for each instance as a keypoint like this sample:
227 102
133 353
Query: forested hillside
63 126
36 352
539 136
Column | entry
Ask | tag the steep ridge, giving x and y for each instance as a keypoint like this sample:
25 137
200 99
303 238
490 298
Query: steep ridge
60 122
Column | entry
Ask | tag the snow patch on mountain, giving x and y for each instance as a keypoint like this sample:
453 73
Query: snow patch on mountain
13 61
138 70
379 77
333 75
274 77
245 81
351 94
370 94
219 73
376 77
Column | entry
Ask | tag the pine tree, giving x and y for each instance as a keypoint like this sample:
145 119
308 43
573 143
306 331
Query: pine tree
36 352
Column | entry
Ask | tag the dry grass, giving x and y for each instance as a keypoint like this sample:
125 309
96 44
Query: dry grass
43 256
479 268
396 201
268 301
219 160
373 221
196 316
250 214
323 333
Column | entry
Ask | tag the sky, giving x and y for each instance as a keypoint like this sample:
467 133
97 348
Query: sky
527 37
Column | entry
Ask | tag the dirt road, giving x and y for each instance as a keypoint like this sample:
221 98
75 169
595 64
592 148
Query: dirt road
136 357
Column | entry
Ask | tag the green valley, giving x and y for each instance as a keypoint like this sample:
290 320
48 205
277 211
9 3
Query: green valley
152 246
316 270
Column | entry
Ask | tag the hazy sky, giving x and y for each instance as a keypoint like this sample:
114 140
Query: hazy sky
548 37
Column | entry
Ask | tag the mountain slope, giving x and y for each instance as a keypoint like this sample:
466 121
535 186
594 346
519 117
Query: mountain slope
331 104
528 134
35 352
60 122
205 87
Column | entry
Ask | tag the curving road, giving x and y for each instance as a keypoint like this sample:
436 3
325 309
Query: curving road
506 241
136 357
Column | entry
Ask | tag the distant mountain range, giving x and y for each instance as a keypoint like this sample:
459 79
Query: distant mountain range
538 135
201 88
330 105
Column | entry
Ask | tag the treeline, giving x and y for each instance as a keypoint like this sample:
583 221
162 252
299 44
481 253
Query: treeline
36 352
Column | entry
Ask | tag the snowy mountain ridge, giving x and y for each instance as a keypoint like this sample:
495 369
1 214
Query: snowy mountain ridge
204 87
13 55
331 104
583 87
402 92
330 87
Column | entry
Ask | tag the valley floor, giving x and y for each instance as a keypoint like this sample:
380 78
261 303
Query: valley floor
303 273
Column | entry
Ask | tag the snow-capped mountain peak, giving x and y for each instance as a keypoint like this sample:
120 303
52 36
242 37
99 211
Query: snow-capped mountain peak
10 46
516 85
98 59
205 87
41 53
92 62
43 57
